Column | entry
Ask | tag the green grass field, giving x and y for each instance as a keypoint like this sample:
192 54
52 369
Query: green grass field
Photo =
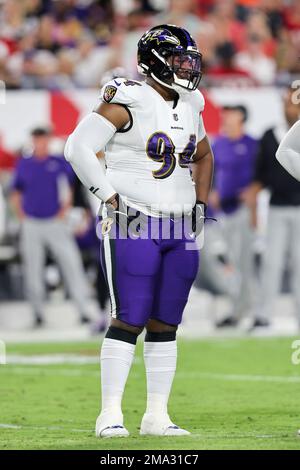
230 393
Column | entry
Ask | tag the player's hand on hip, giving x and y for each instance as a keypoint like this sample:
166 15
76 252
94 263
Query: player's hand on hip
113 201
117 211
198 217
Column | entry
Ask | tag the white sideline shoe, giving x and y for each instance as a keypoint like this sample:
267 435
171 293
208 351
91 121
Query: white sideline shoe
156 425
110 426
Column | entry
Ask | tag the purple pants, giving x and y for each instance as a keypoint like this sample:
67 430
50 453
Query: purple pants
149 277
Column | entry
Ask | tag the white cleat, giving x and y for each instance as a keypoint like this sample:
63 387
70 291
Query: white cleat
110 426
156 425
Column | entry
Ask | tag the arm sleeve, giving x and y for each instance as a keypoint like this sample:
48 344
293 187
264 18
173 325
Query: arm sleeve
90 136
288 153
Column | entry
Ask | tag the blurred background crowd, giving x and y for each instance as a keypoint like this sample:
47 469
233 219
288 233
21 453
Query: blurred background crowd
47 219
60 44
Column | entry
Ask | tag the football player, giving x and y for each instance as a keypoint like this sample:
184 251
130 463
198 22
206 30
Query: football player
153 134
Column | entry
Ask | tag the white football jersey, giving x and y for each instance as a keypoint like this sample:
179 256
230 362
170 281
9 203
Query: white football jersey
148 164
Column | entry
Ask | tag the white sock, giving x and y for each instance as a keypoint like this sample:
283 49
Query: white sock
160 362
116 359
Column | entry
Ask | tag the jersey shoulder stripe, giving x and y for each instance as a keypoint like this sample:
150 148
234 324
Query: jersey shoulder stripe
122 91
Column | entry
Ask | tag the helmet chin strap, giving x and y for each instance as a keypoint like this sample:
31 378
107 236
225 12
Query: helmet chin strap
160 81
182 85
179 89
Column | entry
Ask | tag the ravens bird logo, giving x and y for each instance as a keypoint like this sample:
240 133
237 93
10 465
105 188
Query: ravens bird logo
161 36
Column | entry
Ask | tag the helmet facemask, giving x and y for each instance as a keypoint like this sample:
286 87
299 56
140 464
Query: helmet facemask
186 67
180 70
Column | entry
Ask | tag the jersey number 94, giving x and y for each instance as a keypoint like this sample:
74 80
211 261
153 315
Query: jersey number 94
161 149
